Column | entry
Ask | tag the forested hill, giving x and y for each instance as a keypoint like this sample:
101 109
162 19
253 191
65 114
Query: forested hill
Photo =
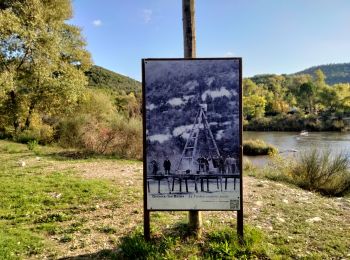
103 78
335 73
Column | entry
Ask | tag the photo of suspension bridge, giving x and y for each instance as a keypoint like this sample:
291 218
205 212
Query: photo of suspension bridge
192 133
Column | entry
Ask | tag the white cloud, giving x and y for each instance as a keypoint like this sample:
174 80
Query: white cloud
161 138
191 85
227 123
97 23
209 81
176 102
182 129
147 15
216 93
151 106
219 135
229 54
188 97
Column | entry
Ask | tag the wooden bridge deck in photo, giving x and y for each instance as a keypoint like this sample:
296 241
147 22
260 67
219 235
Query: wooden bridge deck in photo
198 179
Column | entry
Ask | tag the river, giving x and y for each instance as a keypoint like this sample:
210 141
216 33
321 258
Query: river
289 143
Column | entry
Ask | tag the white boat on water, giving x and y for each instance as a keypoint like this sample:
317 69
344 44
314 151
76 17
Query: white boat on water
304 133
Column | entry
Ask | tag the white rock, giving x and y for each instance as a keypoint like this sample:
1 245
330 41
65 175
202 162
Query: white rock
56 195
38 158
259 203
281 220
285 201
21 163
315 219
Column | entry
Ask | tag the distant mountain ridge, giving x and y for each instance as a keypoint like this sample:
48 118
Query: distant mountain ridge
103 78
100 77
335 73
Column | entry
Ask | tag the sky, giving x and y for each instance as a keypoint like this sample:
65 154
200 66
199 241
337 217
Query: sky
271 36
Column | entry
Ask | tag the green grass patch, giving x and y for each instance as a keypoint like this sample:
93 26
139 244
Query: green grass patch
258 147
31 196
10 147
107 230
16 242
222 243
35 203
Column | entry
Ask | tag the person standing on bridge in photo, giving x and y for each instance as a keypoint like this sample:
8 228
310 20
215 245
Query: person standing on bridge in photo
230 164
167 166
206 164
221 164
155 167
201 164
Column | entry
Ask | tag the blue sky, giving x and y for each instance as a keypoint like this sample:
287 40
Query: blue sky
272 36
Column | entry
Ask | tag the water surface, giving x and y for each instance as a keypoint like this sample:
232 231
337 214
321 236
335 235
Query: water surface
289 143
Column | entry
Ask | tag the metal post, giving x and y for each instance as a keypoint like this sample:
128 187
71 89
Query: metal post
146 212
240 230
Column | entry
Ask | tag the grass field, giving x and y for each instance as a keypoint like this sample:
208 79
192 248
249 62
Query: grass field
62 205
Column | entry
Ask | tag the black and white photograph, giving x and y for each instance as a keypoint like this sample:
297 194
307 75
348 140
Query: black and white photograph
192 133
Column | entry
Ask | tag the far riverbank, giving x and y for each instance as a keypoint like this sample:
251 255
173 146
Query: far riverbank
298 122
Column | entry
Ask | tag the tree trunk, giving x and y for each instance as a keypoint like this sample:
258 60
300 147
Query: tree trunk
189 32
14 110
29 117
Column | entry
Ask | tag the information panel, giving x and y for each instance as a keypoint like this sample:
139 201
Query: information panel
192 133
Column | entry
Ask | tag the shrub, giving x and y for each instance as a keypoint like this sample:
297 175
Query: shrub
32 145
323 172
258 147
247 165
40 133
102 130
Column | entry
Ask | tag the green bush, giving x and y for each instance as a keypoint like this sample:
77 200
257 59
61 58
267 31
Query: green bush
32 145
98 128
323 172
258 147
40 133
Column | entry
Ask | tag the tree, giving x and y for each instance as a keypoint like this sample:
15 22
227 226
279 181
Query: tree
42 60
254 106
307 95
320 78
249 87
336 98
